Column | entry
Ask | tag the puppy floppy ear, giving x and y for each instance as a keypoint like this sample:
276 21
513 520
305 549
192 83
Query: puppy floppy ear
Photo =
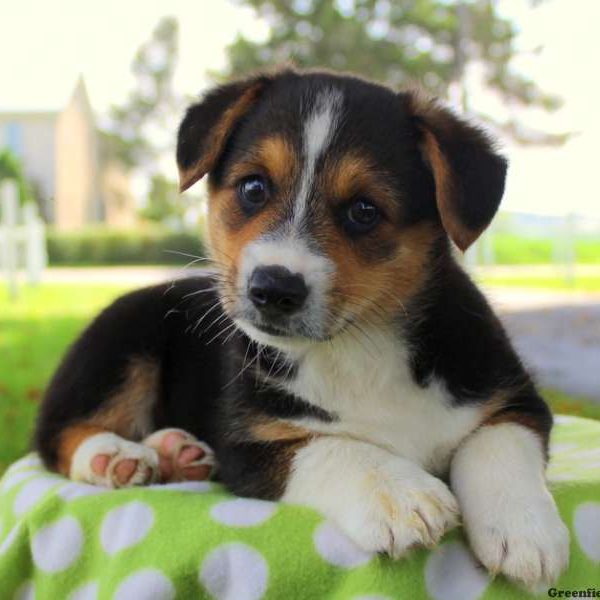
207 126
468 173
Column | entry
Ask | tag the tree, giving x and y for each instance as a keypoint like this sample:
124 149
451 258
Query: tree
163 200
397 42
136 131
141 130
10 168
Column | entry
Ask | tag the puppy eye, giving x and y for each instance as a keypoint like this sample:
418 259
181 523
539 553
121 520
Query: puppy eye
361 216
252 192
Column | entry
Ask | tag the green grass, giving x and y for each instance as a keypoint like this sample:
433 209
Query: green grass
34 333
563 404
582 283
36 330
512 249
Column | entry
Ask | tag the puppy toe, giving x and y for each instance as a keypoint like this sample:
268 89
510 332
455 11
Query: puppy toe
189 454
100 464
125 469
196 473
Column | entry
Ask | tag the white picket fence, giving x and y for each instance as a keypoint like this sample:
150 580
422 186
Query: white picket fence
22 239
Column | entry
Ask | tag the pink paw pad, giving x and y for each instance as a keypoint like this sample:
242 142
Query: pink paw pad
182 457
122 471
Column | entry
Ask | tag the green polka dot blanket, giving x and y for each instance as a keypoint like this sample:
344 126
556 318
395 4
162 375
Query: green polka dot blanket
66 540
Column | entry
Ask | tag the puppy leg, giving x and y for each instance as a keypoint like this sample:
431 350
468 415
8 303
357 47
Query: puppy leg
511 519
91 454
182 457
383 502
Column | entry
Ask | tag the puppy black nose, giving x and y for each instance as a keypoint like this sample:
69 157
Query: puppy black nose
275 291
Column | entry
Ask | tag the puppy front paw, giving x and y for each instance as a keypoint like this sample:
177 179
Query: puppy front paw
395 514
525 541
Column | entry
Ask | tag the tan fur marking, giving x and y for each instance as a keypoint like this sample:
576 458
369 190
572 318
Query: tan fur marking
435 118
280 160
462 236
355 175
276 431
526 420
69 440
495 403
378 291
498 410
226 246
126 412
280 468
217 138
273 156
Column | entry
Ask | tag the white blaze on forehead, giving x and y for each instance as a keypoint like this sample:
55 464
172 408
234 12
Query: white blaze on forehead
319 128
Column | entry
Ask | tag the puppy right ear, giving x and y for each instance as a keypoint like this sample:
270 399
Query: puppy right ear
207 126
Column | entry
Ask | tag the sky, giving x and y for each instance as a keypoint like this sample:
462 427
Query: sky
45 45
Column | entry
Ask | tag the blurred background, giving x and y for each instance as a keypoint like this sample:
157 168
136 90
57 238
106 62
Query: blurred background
91 94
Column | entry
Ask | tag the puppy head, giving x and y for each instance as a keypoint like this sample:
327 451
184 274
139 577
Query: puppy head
327 195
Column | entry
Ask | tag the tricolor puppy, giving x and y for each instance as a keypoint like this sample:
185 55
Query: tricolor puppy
339 357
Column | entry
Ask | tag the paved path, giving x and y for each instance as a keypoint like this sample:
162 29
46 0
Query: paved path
557 333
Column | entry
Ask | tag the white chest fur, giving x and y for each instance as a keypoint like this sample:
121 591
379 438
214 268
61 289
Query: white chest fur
367 383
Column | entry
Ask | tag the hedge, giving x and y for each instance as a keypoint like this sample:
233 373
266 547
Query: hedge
98 246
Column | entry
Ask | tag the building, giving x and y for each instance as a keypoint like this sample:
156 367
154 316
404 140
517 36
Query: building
59 149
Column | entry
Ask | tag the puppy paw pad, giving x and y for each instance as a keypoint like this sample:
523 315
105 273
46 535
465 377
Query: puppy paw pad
182 456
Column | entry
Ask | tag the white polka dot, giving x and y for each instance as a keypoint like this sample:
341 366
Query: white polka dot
9 539
588 454
56 546
148 584
125 526
72 491
235 572
11 480
242 512
25 592
562 476
31 493
562 447
587 528
29 461
184 486
338 549
451 573
87 591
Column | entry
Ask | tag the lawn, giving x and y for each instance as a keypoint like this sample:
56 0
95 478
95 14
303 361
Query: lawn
35 331
514 249
581 283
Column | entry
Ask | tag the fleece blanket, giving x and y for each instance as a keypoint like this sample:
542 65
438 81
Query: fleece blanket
65 540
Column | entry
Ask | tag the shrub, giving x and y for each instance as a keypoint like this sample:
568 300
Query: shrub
101 246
